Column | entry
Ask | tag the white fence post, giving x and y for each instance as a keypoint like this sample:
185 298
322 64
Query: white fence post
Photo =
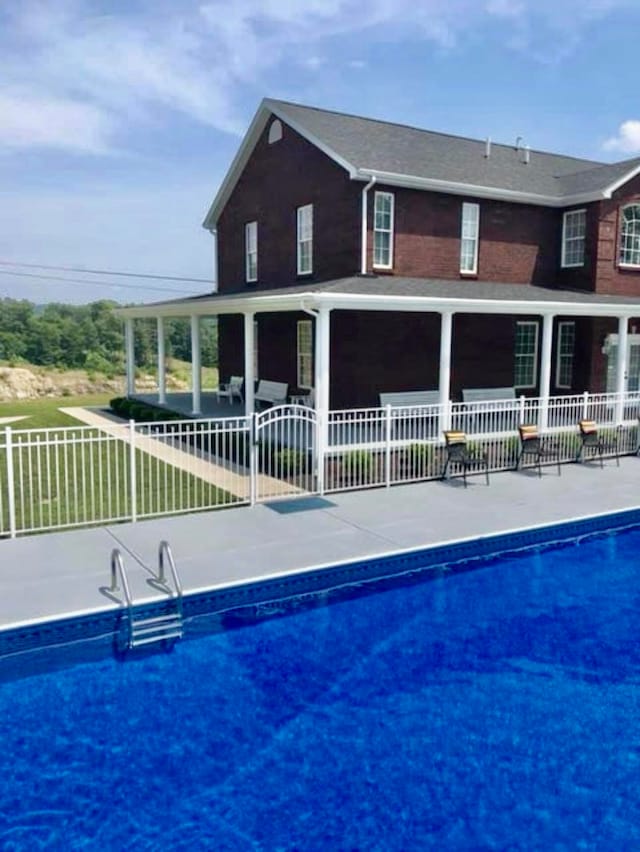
387 445
522 408
11 493
253 460
132 470
320 450
585 405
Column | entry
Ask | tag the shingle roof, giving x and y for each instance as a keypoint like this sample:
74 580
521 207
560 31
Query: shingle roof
381 146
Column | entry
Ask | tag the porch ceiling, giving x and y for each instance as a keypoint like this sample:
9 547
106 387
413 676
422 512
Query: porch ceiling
372 293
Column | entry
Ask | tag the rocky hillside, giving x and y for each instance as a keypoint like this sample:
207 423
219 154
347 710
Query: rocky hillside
33 382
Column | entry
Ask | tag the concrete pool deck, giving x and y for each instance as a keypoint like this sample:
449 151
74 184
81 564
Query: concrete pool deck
63 574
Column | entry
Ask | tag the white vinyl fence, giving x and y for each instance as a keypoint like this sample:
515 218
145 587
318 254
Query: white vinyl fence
81 476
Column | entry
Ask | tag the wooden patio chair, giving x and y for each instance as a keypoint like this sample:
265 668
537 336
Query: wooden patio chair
459 453
533 445
231 389
592 441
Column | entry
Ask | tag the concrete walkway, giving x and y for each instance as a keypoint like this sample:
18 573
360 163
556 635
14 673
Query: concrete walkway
227 476
43 577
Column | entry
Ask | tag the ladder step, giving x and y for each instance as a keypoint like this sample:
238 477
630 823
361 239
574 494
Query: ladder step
136 641
156 620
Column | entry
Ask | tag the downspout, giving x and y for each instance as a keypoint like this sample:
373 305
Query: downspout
365 191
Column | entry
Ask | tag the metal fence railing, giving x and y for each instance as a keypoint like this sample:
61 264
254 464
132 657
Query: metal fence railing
80 476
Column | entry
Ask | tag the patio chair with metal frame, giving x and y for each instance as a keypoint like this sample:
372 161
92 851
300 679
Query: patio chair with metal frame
458 453
532 444
593 441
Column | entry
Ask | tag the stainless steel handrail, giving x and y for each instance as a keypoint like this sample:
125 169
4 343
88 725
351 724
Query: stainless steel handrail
117 567
164 551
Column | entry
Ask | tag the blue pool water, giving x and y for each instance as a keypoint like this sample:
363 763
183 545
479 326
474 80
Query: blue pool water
492 709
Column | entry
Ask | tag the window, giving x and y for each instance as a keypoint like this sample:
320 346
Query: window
564 357
383 230
469 238
305 354
305 239
275 131
526 355
630 236
573 233
251 251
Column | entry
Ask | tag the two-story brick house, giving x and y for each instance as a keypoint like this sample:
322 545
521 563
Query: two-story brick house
358 256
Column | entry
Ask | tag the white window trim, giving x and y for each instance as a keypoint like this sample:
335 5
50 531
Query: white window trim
565 216
466 205
390 231
300 212
307 326
534 381
623 264
249 228
562 325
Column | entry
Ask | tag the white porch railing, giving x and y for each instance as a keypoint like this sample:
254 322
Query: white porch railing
72 477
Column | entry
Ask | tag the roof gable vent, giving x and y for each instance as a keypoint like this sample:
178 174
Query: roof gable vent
275 131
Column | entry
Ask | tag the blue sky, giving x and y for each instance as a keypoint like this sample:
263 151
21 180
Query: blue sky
119 119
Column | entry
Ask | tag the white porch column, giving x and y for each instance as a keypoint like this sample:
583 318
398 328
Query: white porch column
621 367
249 377
162 367
545 370
196 366
321 381
130 363
444 380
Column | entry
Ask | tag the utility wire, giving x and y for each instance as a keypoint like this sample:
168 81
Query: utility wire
106 272
92 283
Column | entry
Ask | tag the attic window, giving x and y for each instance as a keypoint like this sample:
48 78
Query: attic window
275 131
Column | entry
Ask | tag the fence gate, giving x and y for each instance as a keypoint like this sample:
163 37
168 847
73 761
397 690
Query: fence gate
284 456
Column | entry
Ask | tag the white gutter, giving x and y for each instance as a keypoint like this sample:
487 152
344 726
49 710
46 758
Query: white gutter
365 192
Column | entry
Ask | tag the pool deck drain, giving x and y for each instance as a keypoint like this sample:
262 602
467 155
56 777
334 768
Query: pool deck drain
59 575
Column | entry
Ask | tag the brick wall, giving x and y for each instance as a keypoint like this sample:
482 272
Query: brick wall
610 278
277 179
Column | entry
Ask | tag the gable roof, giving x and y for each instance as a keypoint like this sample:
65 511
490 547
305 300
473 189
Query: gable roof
396 154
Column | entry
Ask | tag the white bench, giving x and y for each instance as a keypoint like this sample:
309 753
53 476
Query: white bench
410 398
488 394
274 393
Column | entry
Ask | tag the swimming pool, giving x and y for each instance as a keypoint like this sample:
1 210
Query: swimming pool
492 708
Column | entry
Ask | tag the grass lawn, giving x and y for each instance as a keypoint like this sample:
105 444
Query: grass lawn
44 413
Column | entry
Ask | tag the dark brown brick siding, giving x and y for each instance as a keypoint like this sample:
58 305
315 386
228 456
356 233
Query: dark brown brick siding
519 243
277 179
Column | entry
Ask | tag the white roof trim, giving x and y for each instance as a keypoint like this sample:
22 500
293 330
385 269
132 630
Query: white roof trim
608 192
365 302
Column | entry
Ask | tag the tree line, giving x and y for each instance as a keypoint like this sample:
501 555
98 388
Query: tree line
91 337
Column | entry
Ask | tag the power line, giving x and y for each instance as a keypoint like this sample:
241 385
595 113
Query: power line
91 283
106 272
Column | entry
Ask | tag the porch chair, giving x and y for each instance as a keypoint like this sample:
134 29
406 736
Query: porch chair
592 441
532 444
459 453
231 389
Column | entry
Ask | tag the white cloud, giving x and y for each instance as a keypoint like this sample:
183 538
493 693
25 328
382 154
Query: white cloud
85 79
627 140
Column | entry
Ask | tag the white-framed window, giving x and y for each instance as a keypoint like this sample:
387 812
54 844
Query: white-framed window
630 235
565 354
525 372
383 204
574 226
305 239
251 251
469 238
305 354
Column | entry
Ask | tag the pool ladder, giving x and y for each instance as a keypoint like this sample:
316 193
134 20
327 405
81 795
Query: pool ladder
166 628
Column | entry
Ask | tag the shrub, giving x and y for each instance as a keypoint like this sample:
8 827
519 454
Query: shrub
290 462
357 463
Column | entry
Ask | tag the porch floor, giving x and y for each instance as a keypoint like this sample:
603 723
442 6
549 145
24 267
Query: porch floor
60 575
181 403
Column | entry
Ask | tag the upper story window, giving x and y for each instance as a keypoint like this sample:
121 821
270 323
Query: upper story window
251 251
383 230
469 238
525 373
564 359
305 239
574 225
275 131
305 354
630 235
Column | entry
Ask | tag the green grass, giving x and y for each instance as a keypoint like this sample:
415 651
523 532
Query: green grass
44 413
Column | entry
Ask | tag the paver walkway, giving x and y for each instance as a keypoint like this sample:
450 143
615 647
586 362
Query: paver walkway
61 574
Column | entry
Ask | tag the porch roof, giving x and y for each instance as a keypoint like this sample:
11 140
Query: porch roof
386 293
